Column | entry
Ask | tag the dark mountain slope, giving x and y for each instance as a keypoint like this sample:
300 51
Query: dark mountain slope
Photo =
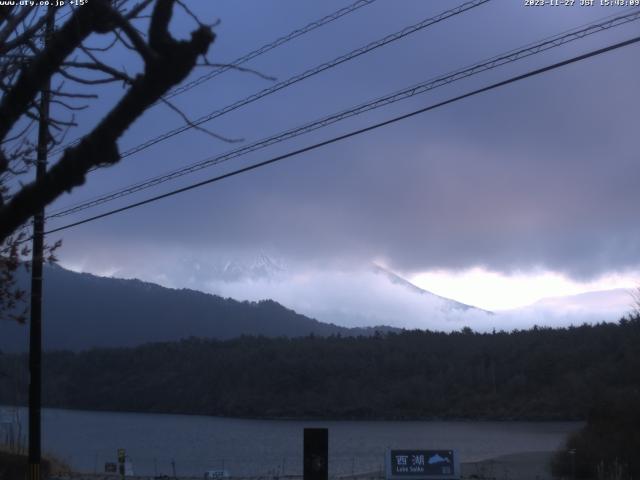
84 311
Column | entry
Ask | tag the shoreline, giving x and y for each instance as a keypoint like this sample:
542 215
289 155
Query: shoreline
523 466
486 419
534 465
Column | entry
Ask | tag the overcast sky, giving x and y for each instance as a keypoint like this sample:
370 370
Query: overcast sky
532 181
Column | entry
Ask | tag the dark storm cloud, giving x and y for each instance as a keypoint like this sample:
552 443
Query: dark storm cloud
542 173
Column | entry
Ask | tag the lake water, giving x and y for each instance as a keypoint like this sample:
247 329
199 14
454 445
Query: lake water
86 440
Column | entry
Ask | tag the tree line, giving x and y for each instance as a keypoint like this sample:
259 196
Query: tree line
536 374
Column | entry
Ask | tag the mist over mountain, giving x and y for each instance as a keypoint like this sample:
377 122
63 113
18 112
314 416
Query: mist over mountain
618 300
445 303
83 311
262 266
351 296
590 307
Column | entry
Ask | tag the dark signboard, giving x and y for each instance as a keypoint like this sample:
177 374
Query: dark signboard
316 454
110 467
422 464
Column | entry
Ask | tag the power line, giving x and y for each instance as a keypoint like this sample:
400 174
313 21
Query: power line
309 148
310 73
307 74
270 46
493 62
254 53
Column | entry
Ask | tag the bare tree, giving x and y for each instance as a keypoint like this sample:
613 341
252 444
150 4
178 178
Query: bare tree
73 63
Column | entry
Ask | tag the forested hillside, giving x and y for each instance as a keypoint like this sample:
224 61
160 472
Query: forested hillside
84 311
534 374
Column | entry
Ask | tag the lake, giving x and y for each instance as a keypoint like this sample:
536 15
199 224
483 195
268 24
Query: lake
86 440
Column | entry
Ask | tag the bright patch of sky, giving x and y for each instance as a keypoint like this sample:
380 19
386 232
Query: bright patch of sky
498 291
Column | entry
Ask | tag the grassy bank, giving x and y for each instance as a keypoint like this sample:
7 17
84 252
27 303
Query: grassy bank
13 466
609 444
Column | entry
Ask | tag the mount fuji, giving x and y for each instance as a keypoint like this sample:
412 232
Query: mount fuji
365 297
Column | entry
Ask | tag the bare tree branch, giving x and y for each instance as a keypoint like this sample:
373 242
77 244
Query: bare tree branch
239 69
26 34
10 27
189 122
62 43
135 11
169 62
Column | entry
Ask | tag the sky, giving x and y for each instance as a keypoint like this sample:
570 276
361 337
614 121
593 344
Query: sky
525 192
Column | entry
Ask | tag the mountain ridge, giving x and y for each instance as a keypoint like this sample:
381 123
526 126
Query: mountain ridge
399 280
85 311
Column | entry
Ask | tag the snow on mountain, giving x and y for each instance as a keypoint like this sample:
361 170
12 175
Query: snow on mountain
365 297
590 307
261 267
615 302
375 295
371 295
398 280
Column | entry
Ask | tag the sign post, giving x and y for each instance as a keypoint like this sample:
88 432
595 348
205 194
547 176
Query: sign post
422 465
122 455
316 454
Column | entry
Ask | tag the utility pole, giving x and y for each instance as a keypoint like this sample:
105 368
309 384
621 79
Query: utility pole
35 331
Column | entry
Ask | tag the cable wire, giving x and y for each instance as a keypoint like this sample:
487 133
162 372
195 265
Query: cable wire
493 62
253 54
306 74
309 148
270 46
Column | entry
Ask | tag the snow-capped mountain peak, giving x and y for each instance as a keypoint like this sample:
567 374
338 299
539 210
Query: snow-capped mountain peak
401 281
262 267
